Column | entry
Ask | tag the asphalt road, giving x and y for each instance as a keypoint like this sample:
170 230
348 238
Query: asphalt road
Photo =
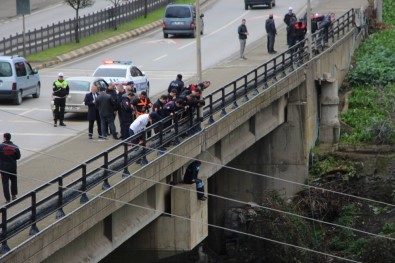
31 123
43 13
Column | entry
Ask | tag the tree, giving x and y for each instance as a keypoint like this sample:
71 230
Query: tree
77 5
116 4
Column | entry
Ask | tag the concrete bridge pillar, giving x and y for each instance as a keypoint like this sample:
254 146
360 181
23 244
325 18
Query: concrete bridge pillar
329 132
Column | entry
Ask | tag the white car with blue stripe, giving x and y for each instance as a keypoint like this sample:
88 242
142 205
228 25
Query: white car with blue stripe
123 72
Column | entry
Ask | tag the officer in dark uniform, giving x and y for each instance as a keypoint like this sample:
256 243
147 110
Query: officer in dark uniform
177 84
271 34
60 91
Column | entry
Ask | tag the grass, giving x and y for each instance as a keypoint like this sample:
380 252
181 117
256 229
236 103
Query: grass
52 53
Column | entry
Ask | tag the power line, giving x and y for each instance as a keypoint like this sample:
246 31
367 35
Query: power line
203 223
229 199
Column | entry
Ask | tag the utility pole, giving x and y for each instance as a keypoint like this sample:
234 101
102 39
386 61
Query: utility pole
198 44
309 40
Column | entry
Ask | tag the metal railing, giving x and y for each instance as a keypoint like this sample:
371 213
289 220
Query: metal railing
154 138
61 33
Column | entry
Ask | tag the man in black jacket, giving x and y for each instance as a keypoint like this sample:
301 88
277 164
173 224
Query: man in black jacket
288 19
106 106
9 154
191 177
243 33
93 111
271 34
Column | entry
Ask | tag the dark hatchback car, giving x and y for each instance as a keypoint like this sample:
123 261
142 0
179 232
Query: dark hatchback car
251 3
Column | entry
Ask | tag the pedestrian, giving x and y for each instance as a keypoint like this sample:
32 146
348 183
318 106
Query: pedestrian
243 33
291 33
191 177
125 114
300 30
93 111
288 18
138 125
9 154
324 27
158 106
60 90
177 84
106 104
120 92
142 104
271 34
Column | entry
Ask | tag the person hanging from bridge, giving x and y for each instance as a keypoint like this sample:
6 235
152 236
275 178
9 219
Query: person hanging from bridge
191 177
9 154
60 92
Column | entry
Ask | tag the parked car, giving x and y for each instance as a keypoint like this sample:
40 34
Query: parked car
251 3
78 88
113 71
18 79
181 20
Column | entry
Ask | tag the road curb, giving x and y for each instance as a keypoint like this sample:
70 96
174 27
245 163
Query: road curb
101 44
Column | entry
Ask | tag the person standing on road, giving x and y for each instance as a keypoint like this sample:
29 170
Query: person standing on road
60 92
9 154
177 84
93 112
106 105
271 34
288 19
243 33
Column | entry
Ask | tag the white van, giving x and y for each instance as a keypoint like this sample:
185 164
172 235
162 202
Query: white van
18 79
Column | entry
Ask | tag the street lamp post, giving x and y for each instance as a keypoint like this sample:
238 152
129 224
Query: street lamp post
309 41
198 44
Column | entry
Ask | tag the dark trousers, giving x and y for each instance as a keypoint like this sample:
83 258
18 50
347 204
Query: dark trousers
124 129
199 188
58 113
108 122
270 42
6 178
91 124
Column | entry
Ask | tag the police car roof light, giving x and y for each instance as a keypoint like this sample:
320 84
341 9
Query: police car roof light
124 62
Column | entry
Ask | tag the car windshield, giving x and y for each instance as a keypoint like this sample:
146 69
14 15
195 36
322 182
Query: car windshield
5 69
178 12
110 72
79 85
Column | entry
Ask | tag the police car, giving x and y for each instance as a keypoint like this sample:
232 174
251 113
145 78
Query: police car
123 72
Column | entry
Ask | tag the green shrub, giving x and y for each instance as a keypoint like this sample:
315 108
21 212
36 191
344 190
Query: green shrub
388 12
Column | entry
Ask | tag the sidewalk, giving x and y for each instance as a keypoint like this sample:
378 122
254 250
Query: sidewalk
53 161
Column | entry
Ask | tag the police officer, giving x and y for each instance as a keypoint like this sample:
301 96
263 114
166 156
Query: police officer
60 91
271 34
177 84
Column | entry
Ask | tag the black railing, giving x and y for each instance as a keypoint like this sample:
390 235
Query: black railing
62 32
154 138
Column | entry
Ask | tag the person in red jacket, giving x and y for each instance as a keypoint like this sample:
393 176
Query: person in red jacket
9 154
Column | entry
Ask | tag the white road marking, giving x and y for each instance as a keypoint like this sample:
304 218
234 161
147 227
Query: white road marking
216 31
159 58
28 111
42 134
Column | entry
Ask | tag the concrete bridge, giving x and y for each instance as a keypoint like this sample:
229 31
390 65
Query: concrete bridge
265 122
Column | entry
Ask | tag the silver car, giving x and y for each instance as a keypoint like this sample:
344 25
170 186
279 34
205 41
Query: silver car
18 79
79 87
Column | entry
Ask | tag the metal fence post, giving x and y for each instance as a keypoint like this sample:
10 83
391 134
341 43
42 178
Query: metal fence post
234 106
33 229
60 213
4 247
106 184
84 198
125 172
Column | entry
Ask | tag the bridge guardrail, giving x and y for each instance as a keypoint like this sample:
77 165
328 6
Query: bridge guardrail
155 138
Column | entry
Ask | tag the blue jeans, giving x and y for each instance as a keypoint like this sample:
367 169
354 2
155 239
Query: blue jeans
108 121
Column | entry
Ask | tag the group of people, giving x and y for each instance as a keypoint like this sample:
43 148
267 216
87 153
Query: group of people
296 29
179 96
136 112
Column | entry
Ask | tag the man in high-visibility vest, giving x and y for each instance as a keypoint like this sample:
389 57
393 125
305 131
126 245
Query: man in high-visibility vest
142 104
60 91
